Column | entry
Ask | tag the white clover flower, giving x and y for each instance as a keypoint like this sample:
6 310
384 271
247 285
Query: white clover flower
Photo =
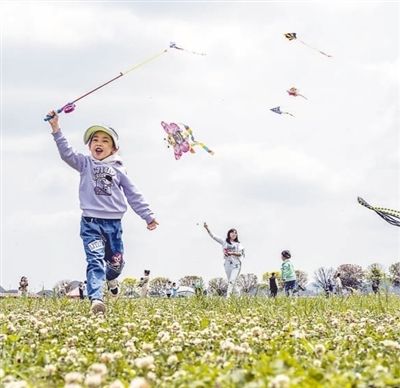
175 326
98 368
147 347
106 357
227 345
317 363
116 384
279 381
176 349
298 334
144 362
381 369
99 341
93 380
73 377
50 369
43 331
139 382
172 360
391 344
117 355
197 341
164 338
73 353
319 349
152 376
16 384
238 349
380 329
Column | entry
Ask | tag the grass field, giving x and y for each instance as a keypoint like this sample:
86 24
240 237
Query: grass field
202 342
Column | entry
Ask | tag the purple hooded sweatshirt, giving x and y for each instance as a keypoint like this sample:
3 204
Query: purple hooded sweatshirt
103 185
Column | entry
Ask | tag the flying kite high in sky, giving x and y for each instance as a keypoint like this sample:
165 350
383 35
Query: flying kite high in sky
389 215
293 36
278 110
70 106
174 46
181 139
295 93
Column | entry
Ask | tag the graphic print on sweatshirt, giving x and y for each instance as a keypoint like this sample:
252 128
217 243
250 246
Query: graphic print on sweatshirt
103 177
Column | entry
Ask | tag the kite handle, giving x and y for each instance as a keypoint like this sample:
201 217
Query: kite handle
49 117
67 108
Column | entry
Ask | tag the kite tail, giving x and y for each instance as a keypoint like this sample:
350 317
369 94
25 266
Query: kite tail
202 145
391 212
287 113
303 96
389 215
194 52
311 47
393 220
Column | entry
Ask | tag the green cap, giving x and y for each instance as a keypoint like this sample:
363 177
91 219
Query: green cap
97 128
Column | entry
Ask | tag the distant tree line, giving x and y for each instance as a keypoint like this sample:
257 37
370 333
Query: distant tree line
353 277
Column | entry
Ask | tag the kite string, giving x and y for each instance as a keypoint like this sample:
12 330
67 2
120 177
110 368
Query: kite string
49 117
123 73
145 62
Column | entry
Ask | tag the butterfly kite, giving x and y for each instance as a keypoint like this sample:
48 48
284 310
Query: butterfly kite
70 106
278 110
295 93
181 139
293 36
389 215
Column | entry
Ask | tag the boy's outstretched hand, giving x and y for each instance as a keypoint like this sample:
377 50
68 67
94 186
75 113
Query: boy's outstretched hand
153 224
54 121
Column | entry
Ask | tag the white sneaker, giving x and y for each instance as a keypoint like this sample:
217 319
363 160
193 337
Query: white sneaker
113 286
98 307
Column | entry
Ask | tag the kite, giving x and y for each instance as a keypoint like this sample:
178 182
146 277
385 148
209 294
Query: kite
174 46
295 93
278 110
181 139
70 106
293 36
389 215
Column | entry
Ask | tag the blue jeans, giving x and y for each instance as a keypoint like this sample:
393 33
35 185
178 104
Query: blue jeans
102 241
290 286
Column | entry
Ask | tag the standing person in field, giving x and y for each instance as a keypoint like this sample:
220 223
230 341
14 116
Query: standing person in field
375 285
288 273
233 254
174 290
144 283
103 192
338 284
168 289
23 286
82 286
273 285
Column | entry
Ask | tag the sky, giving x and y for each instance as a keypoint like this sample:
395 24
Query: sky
284 182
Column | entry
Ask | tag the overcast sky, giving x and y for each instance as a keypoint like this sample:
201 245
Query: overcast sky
284 182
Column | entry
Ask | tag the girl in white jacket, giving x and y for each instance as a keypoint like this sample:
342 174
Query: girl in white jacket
233 253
